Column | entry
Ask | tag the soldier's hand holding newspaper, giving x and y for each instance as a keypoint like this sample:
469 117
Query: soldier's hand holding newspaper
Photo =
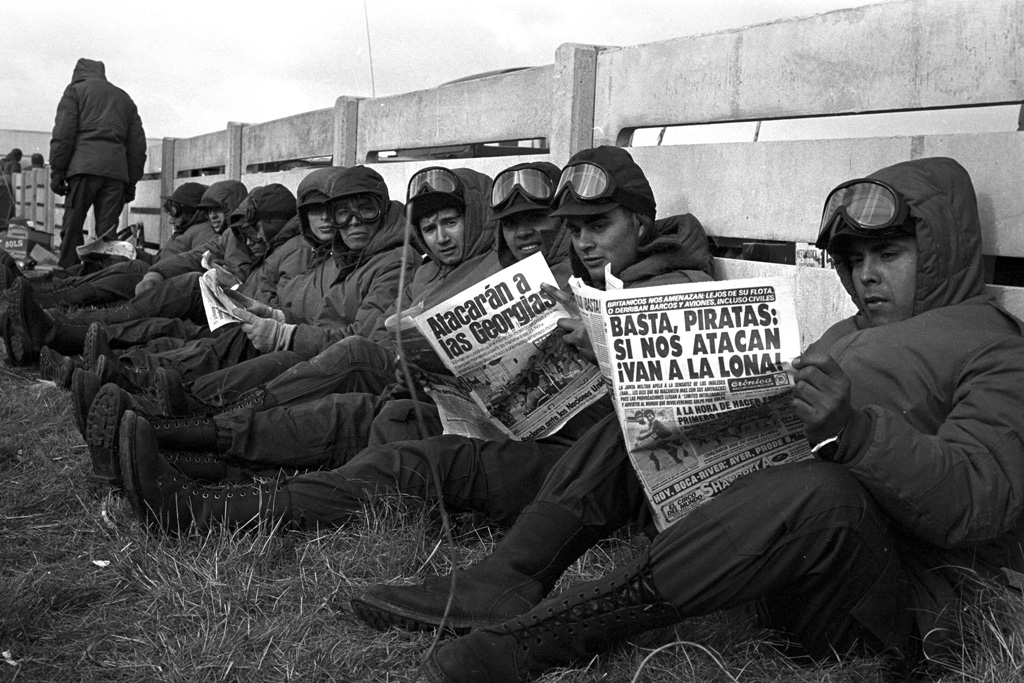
266 334
574 333
821 396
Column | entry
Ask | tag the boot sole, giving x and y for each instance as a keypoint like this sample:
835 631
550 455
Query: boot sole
102 435
382 616
129 469
82 398
93 349
24 349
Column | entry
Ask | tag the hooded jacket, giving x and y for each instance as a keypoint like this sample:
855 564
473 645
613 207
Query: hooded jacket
195 232
278 228
224 247
226 195
361 283
364 284
936 433
191 236
434 281
97 129
303 293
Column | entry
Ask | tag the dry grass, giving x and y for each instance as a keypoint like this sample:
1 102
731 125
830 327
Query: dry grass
86 594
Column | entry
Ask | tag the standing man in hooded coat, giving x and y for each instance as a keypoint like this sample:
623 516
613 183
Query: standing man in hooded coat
97 154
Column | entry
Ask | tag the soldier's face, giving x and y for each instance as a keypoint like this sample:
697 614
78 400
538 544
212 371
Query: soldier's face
884 277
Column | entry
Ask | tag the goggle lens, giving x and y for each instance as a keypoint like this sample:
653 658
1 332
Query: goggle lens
867 206
434 180
586 181
342 213
533 183
870 205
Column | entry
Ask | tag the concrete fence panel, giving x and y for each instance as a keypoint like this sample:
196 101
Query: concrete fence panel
915 54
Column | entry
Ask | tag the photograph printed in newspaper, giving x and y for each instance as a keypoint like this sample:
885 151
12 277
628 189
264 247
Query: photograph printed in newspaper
221 304
701 380
500 339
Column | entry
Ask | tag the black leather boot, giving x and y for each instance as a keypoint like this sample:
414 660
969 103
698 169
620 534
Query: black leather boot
84 387
523 568
572 627
55 366
27 327
175 399
167 500
101 433
135 380
196 434
96 344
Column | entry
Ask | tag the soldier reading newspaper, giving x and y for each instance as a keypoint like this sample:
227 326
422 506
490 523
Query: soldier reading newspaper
700 382
514 377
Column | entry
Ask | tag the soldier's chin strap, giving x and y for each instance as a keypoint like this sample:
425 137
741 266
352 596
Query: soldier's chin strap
422 424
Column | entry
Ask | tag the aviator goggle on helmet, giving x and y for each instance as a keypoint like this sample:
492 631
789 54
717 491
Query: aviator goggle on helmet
600 179
341 212
532 184
863 208
431 189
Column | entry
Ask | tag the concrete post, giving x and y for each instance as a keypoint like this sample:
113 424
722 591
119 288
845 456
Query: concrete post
346 131
572 100
167 176
234 166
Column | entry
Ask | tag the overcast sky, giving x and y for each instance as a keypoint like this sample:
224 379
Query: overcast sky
193 66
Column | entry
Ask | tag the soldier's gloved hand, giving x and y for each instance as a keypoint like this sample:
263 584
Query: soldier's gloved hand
262 310
58 184
149 280
129 194
574 333
267 335
821 396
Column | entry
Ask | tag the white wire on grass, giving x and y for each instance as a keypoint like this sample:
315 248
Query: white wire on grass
706 650
434 474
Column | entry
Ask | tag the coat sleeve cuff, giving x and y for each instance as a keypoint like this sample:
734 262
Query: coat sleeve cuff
856 436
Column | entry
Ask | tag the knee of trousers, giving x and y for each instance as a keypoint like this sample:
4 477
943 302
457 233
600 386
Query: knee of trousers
349 353
798 498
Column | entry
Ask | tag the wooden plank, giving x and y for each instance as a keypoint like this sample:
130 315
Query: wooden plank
775 190
902 55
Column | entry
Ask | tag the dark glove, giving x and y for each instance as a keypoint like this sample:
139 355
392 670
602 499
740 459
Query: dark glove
129 194
58 185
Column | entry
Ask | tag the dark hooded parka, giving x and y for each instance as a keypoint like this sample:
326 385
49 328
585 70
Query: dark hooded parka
936 437
97 153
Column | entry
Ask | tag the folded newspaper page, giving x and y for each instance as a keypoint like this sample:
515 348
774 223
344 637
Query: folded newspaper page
700 380
501 342
101 247
221 304
415 347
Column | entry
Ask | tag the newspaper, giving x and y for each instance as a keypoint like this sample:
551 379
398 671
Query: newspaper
221 305
100 247
511 373
701 382
415 347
